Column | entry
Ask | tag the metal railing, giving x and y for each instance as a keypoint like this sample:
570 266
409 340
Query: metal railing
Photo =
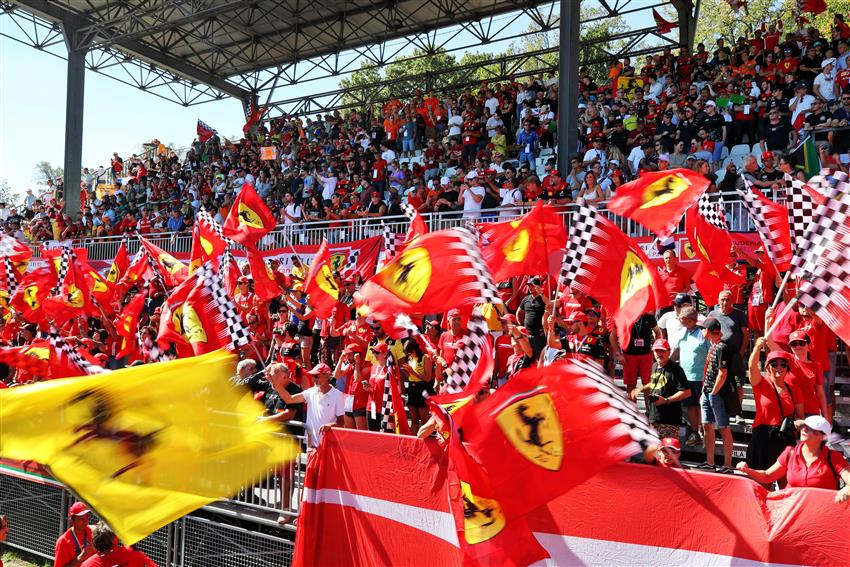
312 233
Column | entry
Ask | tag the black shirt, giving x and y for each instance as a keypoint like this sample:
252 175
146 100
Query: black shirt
714 126
718 358
664 383
274 403
450 196
534 308
776 135
642 336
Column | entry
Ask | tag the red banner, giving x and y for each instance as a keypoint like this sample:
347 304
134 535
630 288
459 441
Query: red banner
385 498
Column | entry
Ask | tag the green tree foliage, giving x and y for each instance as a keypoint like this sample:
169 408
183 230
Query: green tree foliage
44 171
717 19
6 194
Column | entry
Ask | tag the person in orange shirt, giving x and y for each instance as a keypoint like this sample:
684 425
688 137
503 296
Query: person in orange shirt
391 127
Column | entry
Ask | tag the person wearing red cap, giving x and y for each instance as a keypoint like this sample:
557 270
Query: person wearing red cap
75 545
325 404
667 455
666 389
354 367
450 339
806 374
777 401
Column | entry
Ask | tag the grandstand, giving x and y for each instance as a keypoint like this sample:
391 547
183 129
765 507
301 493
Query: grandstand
204 54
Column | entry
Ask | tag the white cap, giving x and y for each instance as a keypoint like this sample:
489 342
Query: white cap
445 180
818 423
472 174
582 105
711 103
249 178
825 62
664 157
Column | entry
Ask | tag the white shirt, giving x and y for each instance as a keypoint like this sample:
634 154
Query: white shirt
510 198
824 85
329 186
492 122
492 104
388 156
322 409
470 207
670 323
634 158
802 106
592 154
455 122
292 210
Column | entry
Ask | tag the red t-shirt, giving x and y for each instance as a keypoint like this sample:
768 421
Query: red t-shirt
767 411
504 349
816 475
66 550
377 377
379 170
448 345
676 282
120 556
806 376
355 387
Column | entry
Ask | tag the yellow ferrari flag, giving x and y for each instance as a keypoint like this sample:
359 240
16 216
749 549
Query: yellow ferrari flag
145 445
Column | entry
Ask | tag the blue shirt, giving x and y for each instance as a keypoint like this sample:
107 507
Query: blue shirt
175 224
693 350
528 140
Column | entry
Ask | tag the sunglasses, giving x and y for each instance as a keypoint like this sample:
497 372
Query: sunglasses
798 343
778 364
808 429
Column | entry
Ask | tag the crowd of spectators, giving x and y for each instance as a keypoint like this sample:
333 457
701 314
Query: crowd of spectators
481 149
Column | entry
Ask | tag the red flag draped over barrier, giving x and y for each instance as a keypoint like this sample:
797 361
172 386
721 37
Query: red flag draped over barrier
658 199
531 244
249 218
386 500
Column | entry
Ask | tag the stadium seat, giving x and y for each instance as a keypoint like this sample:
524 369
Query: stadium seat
546 152
724 153
740 149
721 174
756 151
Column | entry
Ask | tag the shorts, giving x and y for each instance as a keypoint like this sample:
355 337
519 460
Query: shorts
693 400
356 413
634 364
714 411
306 341
416 394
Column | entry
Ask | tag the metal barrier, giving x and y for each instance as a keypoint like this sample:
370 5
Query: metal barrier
204 543
312 233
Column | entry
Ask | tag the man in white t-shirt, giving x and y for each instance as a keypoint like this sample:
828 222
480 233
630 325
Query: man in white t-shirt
325 404
824 85
471 196
511 197
291 210
669 322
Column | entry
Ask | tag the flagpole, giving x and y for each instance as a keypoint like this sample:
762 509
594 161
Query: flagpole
778 318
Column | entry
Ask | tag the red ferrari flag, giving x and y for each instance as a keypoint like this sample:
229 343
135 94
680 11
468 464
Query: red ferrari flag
320 284
254 117
531 244
710 243
771 221
813 6
32 290
171 320
208 241
210 320
71 297
172 271
30 361
417 225
554 428
487 536
265 284
663 25
18 252
435 273
249 218
658 199
127 327
604 263
120 264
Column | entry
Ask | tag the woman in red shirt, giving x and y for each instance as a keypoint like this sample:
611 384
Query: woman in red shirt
810 463
775 401
806 374
356 369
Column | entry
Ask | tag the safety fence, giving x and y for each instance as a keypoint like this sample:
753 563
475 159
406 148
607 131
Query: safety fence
312 233
35 505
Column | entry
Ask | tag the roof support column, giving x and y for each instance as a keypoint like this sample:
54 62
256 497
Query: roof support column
568 82
74 105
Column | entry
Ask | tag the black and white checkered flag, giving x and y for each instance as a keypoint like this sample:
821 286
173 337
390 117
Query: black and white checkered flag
582 229
351 262
204 217
11 276
236 329
713 209
801 206
487 291
387 423
769 220
86 368
472 347
65 259
830 223
617 407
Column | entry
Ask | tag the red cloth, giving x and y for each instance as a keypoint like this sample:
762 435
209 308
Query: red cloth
64 552
816 475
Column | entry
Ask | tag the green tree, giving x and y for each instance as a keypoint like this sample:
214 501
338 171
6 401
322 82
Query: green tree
6 194
717 20
356 85
44 171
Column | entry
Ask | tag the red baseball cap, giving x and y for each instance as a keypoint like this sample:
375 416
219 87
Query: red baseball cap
798 336
453 313
661 344
320 368
577 317
381 348
672 443
777 354
77 509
